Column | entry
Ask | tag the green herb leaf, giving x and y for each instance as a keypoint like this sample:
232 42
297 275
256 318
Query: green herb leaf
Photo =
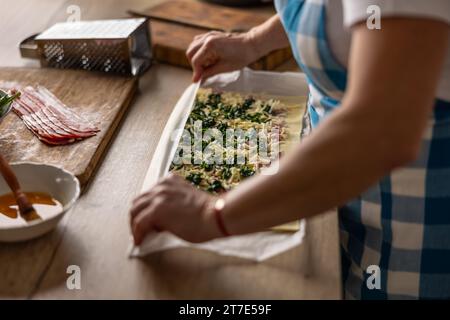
195 178
6 100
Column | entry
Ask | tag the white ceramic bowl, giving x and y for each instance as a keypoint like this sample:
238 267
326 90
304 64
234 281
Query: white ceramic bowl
34 177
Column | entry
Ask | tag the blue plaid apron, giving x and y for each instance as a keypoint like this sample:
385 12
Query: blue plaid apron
402 224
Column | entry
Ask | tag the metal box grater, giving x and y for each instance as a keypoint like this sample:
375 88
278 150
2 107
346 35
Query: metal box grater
115 46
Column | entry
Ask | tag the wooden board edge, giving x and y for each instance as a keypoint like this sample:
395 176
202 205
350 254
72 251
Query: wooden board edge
177 57
100 152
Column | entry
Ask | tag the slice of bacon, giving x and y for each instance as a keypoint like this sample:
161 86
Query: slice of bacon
73 120
32 114
39 131
48 118
31 122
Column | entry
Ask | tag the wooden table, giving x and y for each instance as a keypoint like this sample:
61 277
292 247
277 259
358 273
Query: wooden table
94 234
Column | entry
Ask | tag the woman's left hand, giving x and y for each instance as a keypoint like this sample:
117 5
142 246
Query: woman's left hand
176 206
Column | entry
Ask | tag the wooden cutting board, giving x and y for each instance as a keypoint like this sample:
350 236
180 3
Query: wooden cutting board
100 98
170 39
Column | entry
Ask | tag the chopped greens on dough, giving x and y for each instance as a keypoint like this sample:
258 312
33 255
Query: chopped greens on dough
228 110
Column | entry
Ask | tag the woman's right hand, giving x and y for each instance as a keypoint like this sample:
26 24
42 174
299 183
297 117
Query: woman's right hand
216 52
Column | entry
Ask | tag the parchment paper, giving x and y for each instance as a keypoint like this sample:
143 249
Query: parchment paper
257 246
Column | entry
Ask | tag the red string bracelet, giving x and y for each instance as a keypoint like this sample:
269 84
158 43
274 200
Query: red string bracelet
218 209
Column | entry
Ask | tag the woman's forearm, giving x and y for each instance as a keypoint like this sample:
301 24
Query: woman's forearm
326 170
377 128
268 36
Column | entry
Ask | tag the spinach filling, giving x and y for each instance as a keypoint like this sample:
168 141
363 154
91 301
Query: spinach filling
215 113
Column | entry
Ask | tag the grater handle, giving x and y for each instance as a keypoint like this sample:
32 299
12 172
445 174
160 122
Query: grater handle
29 48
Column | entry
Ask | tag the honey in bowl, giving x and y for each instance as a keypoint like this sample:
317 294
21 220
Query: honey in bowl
46 207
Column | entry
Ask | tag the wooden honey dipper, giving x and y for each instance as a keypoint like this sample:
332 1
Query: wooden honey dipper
26 209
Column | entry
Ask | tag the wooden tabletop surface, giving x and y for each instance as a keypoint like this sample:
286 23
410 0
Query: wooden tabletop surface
94 235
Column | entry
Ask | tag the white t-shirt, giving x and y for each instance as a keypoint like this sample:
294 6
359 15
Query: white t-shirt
342 14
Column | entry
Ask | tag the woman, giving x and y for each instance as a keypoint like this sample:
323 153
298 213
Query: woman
380 108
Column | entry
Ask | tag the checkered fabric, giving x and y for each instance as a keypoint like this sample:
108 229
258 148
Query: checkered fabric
402 224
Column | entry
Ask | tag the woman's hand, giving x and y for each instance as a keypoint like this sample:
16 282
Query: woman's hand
216 52
176 206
